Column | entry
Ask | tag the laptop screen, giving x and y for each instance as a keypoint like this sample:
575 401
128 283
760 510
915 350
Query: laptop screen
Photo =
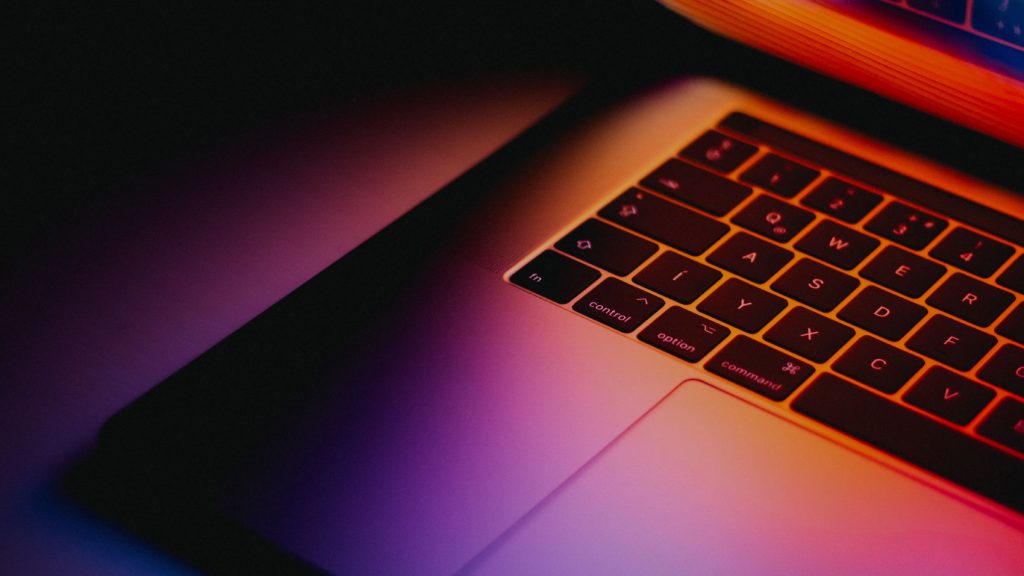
960 60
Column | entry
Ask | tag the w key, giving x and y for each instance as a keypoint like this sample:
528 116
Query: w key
837 244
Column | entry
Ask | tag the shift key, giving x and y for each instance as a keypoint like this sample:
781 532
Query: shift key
760 368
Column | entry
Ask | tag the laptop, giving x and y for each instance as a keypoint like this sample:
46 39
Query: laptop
688 329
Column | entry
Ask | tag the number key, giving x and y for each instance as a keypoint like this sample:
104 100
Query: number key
973 252
841 200
718 151
906 225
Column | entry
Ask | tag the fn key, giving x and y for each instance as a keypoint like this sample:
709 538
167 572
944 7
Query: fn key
555 277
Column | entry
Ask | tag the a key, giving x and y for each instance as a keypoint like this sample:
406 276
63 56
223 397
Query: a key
1005 369
1001 18
696 187
914 437
721 152
1013 277
1013 325
750 257
773 218
971 251
951 342
617 304
1005 424
780 175
906 225
677 277
952 10
555 277
606 246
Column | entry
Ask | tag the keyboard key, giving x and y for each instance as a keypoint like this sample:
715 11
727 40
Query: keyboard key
949 395
1013 325
1013 277
971 300
555 277
677 277
951 342
1005 369
809 334
1005 424
697 187
1000 18
681 332
666 221
883 313
611 248
878 364
759 367
742 305
908 226
914 437
617 304
773 218
952 10
837 244
899 270
815 284
779 175
842 200
971 251
721 152
750 257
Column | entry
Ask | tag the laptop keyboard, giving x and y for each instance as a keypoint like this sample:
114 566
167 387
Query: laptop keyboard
892 323
998 20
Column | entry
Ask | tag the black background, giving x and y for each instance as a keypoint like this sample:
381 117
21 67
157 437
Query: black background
102 96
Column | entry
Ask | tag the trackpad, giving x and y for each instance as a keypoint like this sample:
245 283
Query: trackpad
707 484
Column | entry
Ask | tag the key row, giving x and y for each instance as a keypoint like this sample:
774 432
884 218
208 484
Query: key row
809 282
802 331
806 334
779 220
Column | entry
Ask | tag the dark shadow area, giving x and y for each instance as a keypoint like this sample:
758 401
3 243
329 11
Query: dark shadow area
107 97
104 96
